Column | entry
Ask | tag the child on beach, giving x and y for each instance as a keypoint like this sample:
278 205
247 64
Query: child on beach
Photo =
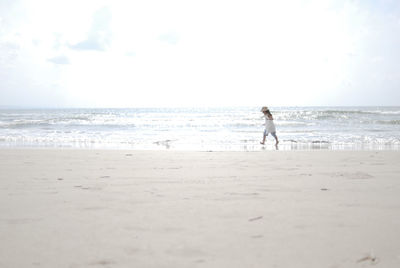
269 125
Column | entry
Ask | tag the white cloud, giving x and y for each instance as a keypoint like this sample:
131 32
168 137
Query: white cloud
182 53
171 38
59 60
99 36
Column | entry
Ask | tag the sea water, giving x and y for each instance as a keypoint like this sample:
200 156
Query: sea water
203 129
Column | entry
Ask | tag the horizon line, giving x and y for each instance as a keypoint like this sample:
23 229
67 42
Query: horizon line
178 107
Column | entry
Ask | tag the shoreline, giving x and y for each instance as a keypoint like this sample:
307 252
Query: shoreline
192 129
169 208
162 146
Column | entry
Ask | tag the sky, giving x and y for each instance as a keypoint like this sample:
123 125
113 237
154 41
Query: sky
172 53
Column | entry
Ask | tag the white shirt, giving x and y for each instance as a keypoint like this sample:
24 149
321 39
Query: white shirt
269 125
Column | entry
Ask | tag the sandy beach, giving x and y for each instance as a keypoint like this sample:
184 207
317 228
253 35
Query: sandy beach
108 208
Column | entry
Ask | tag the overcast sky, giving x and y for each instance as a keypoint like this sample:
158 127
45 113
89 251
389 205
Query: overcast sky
98 53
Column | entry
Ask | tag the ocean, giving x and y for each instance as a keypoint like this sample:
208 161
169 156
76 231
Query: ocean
202 129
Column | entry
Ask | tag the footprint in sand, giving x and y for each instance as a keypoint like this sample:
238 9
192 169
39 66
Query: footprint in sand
353 175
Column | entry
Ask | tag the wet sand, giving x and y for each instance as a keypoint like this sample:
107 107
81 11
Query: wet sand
94 208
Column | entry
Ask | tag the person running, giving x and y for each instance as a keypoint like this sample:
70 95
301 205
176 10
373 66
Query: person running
269 125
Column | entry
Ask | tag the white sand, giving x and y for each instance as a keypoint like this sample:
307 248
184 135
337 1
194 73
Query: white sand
90 208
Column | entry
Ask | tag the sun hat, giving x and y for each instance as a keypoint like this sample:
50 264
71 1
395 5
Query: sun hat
264 109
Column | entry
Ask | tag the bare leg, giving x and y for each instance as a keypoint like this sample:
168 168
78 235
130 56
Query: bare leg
276 138
263 141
